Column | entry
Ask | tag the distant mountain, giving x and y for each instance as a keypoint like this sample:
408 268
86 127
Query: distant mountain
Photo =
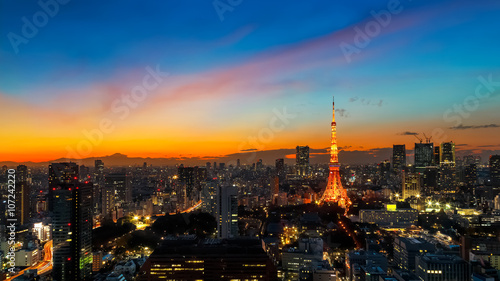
317 156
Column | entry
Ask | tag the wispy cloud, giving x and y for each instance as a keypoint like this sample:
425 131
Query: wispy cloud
489 145
342 112
463 127
408 133
250 149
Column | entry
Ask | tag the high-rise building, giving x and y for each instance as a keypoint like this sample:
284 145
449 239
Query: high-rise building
71 210
470 174
209 197
192 177
61 174
275 191
334 191
302 160
84 173
407 249
121 184
227 211
97 190
437 155
431 178
495 169
433 267
447 153
398 158
424 156
384 169
448 175
23 194
211 259
280 168
411 186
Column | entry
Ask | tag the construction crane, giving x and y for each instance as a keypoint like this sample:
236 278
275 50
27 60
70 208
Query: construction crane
419 138
427 140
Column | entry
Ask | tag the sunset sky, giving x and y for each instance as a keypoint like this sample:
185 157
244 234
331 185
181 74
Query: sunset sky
233 74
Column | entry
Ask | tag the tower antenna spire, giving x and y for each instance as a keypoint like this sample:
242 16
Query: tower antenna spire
334 191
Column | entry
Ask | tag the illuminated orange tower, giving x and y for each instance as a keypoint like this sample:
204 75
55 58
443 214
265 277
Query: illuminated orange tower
334 191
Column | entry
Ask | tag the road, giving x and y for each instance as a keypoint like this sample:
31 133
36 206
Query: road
46 265
188 210
43 266
345 225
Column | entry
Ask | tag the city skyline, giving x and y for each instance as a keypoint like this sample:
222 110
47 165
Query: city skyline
59 86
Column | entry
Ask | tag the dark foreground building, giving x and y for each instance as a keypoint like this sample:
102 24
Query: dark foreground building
211 259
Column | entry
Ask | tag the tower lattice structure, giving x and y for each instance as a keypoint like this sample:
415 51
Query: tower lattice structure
334 191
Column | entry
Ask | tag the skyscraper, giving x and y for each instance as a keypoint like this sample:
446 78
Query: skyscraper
275 190
98 187
227 211
23 193
437 155
280 168
209 197
447 167
334 192
60 175
470 175
495 169
447 155
302 160
411 186
121 184
424 153
398 158
384 169
192 177
71 210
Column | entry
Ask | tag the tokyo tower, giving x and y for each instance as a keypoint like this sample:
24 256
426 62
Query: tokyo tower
334 191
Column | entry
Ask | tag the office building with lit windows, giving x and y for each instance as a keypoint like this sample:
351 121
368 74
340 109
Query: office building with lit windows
121 184
398 158
432 267
71 223
226 211
390 216
411 186
495 169
424 156
23 194
448 174
60 174
302 160
407 249
210 259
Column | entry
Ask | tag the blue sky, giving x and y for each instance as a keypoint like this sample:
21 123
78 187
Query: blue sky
232 73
